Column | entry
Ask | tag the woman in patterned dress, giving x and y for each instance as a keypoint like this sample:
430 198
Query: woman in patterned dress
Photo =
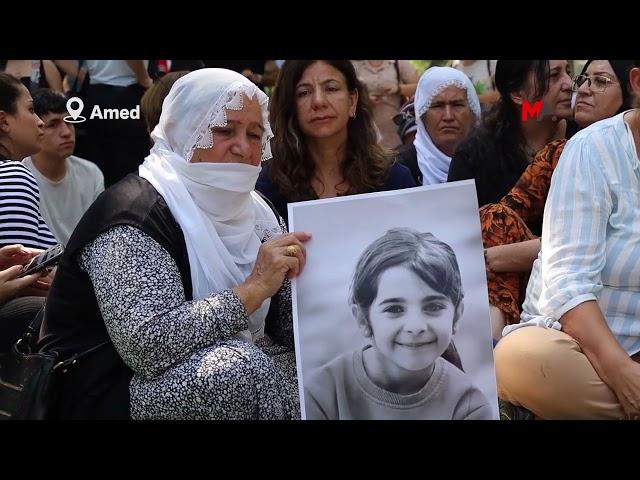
184 267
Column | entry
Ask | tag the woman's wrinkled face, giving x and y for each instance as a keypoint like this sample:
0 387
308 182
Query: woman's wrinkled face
239 141
449 119
600 94
557 99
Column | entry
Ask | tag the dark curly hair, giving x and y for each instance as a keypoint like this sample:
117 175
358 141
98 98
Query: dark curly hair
367 163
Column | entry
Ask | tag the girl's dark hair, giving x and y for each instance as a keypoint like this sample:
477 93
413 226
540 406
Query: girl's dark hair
367 163
503 121
9 92
431 259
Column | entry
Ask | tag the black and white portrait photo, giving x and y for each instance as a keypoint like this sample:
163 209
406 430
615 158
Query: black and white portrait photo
391 313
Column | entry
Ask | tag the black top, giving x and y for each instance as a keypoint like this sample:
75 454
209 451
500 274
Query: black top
399 177
98 386
408 156
73 319
480 158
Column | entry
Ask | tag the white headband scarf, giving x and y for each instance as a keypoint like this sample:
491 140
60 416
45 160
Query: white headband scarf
214 203
434 164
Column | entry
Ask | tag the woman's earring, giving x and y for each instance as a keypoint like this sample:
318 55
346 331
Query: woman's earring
353 114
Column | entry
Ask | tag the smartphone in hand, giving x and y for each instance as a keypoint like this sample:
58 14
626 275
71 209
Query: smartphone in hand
47 259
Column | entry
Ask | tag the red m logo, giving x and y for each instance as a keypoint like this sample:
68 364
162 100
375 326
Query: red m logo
530 111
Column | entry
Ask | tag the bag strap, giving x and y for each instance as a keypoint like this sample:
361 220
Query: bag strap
65 365
26 344
74 89
396 64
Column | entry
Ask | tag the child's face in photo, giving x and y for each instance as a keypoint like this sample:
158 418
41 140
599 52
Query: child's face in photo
412 324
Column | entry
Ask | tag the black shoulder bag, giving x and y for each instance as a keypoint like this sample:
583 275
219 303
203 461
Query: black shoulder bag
28 377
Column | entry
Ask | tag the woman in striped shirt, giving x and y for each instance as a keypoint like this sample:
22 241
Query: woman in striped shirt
21 224
20 136
583 360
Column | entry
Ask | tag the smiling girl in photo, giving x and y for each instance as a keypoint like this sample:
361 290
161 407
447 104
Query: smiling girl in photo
406 295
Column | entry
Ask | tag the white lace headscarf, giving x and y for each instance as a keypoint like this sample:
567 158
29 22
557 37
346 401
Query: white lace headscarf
433 163
214 203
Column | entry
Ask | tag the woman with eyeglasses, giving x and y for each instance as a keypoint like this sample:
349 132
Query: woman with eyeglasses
508 225
583 359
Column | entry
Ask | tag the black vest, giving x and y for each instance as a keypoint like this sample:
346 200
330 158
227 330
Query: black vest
98 386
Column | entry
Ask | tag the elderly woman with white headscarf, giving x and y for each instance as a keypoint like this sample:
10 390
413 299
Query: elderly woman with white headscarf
447 108
179 270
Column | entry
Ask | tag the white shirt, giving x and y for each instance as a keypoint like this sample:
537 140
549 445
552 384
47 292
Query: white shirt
591 234
63 203
111 72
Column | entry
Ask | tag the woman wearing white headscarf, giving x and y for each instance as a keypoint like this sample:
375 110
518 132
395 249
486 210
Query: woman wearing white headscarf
180 263
447 108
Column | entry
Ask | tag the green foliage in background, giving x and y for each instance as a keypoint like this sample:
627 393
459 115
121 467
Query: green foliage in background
422 65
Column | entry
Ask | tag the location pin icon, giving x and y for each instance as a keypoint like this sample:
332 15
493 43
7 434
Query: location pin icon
75 112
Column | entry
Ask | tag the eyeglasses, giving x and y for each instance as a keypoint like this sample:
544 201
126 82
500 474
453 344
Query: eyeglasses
597 83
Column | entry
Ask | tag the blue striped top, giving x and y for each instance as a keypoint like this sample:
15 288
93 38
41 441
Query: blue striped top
591 233
20 219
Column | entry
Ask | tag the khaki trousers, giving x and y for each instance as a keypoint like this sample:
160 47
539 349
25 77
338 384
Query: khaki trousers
545 371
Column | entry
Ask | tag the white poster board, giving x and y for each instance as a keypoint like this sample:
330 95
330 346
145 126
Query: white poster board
338 375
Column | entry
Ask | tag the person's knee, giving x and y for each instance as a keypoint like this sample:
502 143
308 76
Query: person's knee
514 351
521 356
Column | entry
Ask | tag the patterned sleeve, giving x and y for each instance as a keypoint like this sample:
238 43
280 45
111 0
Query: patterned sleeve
20 219
141 298
528 196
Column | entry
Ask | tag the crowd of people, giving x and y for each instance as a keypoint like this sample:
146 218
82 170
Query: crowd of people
178 257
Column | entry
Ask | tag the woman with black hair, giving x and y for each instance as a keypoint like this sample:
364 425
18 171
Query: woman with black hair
23 232
576 352
500 151
602 90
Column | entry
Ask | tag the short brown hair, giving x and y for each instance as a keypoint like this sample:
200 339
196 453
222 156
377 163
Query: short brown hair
151 102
